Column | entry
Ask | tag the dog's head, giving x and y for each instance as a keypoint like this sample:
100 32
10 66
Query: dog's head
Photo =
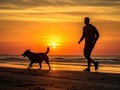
26 53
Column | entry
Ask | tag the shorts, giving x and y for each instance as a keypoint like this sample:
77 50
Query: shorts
88 49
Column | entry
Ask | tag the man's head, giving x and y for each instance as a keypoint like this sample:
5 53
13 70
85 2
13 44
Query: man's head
86 20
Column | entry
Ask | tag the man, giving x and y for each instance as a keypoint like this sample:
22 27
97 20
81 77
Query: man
91 35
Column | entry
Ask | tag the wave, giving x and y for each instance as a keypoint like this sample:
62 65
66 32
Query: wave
66 59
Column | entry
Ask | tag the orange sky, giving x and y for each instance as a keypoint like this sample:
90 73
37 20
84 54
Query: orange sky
30 24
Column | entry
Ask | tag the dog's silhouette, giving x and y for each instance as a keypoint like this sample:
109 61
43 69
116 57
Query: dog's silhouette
37 57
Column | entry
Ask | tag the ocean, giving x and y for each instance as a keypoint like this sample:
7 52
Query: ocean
108 64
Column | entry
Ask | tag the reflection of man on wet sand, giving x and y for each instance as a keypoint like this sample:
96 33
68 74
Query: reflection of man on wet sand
91 35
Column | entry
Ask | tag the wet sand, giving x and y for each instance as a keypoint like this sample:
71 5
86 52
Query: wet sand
22 79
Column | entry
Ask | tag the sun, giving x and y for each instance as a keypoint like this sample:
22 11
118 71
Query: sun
54 41
54 45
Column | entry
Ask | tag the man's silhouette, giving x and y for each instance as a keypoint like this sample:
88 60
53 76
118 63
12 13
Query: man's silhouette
91 35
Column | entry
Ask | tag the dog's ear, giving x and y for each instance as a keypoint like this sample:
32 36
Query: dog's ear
29 49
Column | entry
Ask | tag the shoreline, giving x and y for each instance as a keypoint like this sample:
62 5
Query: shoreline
103 68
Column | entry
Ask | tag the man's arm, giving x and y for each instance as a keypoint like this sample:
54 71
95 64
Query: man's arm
81 38
97 35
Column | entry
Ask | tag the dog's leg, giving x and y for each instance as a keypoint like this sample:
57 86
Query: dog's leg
40 66
30 65
47 61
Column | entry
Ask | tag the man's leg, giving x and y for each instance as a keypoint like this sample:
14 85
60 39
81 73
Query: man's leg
95 63
90 59
87 52
87 56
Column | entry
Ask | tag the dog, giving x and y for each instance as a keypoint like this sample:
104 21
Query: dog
37 58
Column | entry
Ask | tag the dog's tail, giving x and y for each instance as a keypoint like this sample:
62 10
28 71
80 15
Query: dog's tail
48 49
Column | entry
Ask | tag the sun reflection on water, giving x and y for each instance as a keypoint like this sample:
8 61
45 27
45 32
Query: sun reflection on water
53 67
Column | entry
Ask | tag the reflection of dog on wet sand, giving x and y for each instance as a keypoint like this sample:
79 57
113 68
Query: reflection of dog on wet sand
37 57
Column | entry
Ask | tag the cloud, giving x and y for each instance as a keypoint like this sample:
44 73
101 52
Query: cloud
22 4
58 10
95 2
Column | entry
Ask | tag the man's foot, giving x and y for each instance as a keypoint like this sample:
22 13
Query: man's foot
96 65
88 70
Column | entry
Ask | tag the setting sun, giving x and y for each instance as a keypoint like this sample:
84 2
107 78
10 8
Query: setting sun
54 41
54 45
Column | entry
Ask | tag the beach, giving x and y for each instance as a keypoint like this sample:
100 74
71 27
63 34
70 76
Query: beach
21 79
63 76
